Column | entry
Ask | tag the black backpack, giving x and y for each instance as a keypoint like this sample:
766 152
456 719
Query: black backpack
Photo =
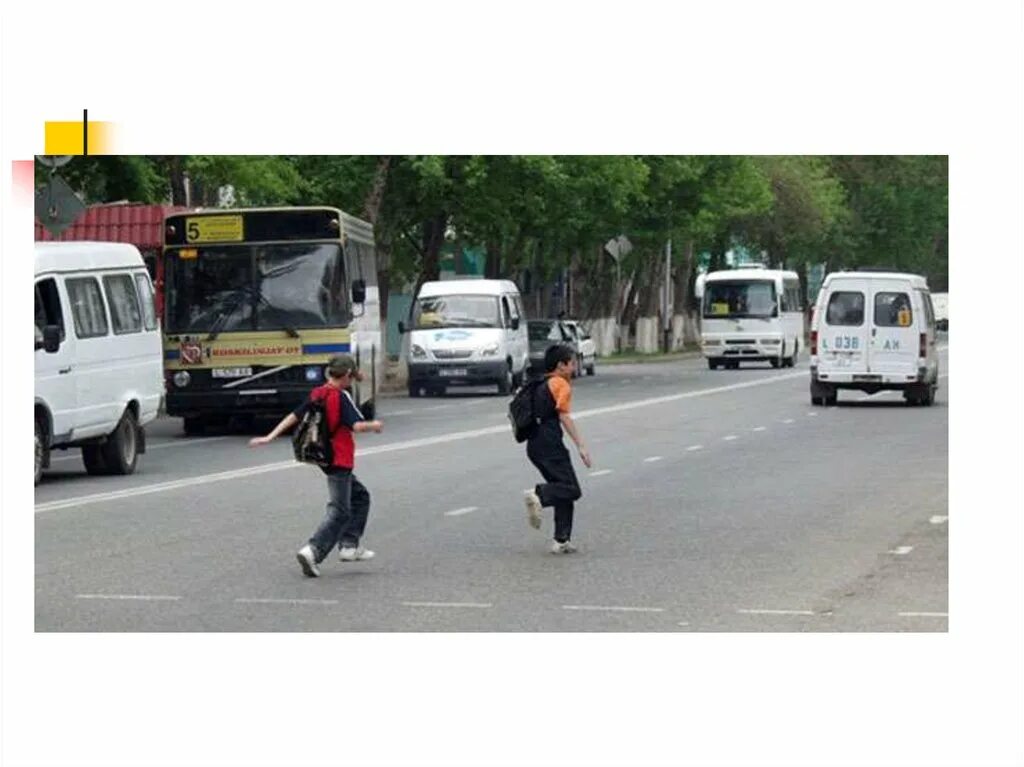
311 440
525 412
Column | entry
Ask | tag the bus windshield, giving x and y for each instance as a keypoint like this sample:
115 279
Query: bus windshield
461 311
226 288
740 298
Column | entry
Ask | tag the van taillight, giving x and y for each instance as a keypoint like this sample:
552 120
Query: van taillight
922 350
814 343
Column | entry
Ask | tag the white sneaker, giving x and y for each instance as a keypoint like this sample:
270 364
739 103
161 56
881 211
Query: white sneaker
533 509
562 548
307 561
353 554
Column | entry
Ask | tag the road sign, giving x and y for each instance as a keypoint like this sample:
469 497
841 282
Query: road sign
57 206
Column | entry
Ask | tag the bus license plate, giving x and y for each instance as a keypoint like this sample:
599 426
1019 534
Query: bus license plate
454 372
231 372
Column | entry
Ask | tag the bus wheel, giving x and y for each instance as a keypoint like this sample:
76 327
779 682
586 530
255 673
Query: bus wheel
194 426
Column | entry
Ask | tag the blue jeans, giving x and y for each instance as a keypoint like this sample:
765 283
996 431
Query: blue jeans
348 507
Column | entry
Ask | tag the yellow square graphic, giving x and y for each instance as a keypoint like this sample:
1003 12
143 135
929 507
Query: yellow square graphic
67 138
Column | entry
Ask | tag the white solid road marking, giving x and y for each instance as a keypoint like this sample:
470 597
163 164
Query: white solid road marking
691 448
924 615
448 604
652 459
140 597
149 446
938 520
615 609
600 472
85 500
760 428
460 512
901 550
776 612
255 601
812 415
729 437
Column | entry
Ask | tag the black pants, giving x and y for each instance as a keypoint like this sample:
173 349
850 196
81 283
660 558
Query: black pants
561 488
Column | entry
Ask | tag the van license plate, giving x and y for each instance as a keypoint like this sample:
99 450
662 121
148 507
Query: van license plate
231 372
867 378
454 372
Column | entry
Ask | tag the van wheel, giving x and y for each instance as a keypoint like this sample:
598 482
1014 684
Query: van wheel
40 449
121 450
591 370
415 390
775 362
732 365
712 365
505 383
95 463
832 399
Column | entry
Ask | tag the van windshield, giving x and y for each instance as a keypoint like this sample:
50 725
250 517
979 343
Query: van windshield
740 298
462 311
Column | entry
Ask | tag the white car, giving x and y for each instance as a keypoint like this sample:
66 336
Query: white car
98 354
586 349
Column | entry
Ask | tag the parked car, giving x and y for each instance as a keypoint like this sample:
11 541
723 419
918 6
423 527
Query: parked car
466 332
98 354
545 333
874 331
585 346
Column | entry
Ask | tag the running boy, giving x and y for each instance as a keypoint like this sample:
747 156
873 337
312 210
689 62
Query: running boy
349 502
547 452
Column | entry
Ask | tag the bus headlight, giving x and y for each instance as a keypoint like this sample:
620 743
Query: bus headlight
490 350
418 351
312 374
182 379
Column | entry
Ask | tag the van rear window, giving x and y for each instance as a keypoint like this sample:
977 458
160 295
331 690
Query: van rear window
892 310
845 307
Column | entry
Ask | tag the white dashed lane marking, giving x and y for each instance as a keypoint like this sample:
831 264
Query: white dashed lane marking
938 520
652 459
615 608
691 448
775 612
126 597
901 550
600 472
759 428
480 605
460 512
729 437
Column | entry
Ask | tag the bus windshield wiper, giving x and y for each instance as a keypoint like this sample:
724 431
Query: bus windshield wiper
280 313
229 308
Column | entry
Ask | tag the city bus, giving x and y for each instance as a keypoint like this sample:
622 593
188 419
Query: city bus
255 303
751 314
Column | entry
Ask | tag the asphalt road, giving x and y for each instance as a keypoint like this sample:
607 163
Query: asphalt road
719 501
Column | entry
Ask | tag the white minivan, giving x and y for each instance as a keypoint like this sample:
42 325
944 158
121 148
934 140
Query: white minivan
98 354
873 331
466 332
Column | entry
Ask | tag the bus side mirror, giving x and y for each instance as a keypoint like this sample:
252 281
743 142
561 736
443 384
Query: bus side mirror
359 291
401 327
51 338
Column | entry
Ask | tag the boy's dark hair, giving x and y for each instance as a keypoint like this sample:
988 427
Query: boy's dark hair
555 354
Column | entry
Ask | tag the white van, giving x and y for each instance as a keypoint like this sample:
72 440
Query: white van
466 332
873 331
751 314
98 354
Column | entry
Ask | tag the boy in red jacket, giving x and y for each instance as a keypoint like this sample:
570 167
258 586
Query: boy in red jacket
349 502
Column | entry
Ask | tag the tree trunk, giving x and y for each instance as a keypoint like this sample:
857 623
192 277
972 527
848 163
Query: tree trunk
373 201
176 174
433 239
684 272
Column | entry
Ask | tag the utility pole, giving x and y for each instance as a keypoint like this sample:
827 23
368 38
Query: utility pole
667 296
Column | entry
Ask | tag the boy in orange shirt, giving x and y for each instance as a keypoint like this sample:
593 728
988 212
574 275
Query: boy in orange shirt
547 452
